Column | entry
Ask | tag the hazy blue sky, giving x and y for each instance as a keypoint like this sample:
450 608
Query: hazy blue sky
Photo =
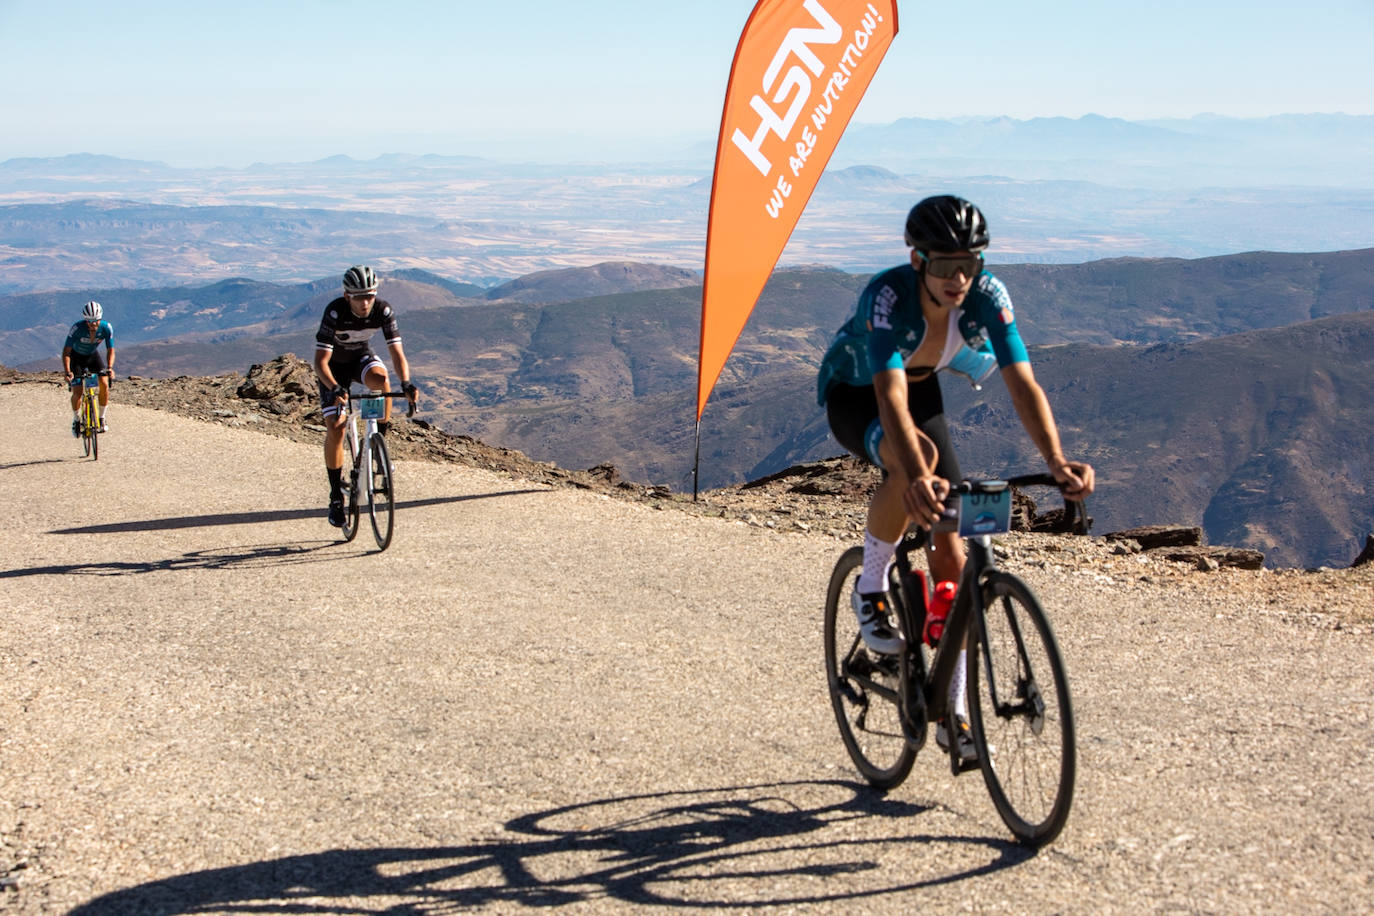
232 83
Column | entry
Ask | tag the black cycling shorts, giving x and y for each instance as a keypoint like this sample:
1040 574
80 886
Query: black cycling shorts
346 368
853 415
81 364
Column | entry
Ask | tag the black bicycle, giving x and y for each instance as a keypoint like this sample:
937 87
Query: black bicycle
1020 713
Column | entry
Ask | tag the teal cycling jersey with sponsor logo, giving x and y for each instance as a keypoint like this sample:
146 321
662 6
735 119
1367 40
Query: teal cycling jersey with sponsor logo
888 327
84 341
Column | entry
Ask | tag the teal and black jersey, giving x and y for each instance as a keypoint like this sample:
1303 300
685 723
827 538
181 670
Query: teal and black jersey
888 327
84 342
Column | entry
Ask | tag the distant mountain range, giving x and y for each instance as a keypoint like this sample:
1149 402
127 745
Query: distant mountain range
1056 190
1232 392
1330 150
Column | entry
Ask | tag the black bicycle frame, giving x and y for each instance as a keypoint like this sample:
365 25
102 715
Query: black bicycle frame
913 608
933 694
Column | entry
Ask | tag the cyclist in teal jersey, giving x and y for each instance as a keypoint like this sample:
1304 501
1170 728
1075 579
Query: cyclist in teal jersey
878 382
81 354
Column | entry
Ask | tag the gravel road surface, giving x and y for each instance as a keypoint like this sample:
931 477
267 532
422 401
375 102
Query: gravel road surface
542 697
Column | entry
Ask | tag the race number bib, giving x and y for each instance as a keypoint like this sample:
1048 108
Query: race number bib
371 408
984 513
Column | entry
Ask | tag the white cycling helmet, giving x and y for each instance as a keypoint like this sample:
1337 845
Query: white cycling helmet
92 311
360 279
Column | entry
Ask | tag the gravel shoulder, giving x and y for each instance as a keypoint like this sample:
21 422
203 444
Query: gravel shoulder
549 693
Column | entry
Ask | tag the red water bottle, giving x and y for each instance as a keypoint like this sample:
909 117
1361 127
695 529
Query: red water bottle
940 603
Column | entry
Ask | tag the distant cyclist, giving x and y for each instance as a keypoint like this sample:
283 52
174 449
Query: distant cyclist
878 383
81 354
343 355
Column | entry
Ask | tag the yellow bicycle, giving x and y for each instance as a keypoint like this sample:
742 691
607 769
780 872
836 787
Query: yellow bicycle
90 414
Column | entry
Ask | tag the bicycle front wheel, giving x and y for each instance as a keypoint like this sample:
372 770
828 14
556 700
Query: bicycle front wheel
89 429
1021 714
352 489
381 503
93 425
863 685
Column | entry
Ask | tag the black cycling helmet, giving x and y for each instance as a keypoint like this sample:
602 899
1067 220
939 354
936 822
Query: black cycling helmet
946 223
360 279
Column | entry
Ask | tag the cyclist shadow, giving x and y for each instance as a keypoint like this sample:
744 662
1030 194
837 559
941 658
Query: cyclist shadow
29 464
237 557
262 517
716 848
255 557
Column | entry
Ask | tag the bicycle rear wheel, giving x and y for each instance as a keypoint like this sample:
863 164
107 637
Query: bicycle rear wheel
381 502
351 490
863 685
1021 714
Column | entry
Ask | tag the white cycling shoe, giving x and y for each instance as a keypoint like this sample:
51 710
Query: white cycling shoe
874 624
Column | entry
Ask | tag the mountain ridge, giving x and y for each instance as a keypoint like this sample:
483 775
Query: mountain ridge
608 379
828 495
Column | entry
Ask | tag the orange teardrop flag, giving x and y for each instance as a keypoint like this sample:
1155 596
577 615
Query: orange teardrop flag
800 69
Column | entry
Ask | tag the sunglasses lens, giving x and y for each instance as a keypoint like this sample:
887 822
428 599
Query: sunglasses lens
945 268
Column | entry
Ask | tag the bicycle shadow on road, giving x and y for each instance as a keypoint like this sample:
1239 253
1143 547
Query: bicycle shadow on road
260 556
263 517
237 557
29 464
735 847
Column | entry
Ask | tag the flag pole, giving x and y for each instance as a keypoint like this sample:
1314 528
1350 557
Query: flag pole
696 461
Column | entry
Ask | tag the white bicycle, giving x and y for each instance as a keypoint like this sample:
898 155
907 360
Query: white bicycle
369 466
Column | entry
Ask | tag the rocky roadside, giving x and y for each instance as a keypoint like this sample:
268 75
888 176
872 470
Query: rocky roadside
828 497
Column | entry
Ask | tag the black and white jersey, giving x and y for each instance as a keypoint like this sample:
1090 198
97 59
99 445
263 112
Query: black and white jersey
342 332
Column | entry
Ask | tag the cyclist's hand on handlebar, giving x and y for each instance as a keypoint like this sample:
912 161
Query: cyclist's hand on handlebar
1077 477
924 499
69 374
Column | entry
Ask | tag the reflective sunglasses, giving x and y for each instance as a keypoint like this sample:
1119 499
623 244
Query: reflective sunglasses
944 268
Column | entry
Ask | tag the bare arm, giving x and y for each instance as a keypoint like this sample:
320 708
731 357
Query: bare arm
898 428
1033 407
322 369
67 363
399 361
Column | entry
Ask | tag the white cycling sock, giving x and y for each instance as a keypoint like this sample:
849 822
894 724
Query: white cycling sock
878 556
958 694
